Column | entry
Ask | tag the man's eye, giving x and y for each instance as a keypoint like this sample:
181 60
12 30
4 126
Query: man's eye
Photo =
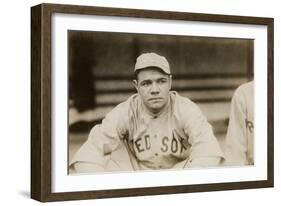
162 81
145 84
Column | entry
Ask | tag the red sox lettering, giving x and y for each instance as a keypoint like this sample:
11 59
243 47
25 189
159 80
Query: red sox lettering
167 145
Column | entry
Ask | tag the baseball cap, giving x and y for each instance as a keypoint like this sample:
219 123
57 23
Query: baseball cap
152 60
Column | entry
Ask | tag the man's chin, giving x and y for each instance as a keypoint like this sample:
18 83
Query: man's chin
156 108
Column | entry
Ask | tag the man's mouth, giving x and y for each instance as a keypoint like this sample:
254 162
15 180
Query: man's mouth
155 99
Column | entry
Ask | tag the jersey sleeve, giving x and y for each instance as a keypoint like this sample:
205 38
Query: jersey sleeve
104 138
204 145
236 142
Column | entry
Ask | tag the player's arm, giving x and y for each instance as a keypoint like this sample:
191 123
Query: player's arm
91 156
205 149
199 162
204 162
84 167
94 154
236 142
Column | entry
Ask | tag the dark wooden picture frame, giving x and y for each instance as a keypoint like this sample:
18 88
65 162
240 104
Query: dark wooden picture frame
41 98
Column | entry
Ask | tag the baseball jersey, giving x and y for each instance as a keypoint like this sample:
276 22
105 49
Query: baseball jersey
240 133
180 132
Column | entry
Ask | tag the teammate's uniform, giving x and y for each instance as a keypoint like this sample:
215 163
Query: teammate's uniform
240 133
180 133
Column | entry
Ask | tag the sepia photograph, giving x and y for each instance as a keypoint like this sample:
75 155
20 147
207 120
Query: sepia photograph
153 102
129 102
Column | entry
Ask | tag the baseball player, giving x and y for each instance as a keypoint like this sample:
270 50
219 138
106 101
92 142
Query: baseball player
154 129
240 132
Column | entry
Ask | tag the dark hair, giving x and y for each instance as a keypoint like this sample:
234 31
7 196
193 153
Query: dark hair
147 68
136 75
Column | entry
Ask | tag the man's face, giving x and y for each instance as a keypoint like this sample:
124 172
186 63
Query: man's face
153 87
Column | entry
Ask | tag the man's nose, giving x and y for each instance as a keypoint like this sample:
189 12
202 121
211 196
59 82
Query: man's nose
154 88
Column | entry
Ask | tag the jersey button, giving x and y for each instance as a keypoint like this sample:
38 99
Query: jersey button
156 154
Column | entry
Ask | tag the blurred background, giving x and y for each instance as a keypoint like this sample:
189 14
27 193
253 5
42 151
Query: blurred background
100 66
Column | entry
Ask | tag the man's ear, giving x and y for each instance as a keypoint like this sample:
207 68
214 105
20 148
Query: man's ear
135 83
